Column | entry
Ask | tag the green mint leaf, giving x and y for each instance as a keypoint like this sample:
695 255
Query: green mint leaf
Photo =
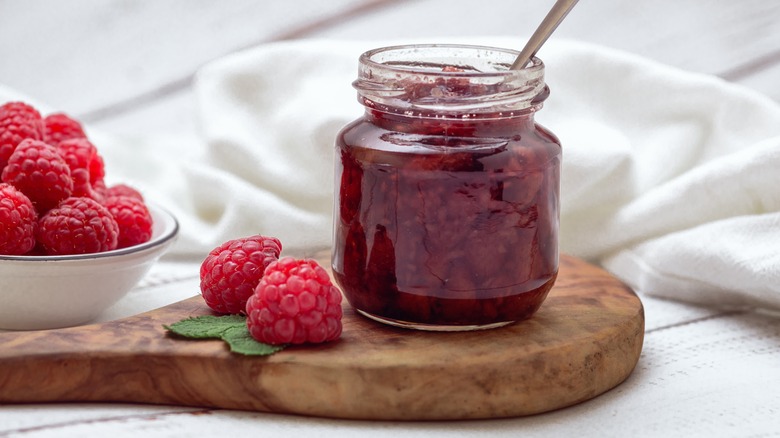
207 326
230 328
242 342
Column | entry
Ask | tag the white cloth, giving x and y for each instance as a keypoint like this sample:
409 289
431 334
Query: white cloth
671 180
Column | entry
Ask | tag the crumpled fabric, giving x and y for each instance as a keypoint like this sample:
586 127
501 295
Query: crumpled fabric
670 180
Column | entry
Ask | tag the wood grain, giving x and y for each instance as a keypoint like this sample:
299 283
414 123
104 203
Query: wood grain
586 339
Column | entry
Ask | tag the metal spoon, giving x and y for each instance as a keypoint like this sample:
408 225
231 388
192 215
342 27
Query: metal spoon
545 29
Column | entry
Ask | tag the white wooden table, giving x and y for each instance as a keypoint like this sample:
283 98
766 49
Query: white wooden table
125 67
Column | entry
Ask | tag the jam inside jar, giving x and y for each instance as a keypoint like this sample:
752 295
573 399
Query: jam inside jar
447 191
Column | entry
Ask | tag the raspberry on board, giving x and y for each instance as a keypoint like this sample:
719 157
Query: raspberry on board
40 172
133 218
59 127
77 226
294 303
231 271
17 222
18 121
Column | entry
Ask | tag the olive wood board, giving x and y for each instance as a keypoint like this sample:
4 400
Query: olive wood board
585 340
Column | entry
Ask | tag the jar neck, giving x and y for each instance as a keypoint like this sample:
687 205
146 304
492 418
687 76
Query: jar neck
449 85
500 125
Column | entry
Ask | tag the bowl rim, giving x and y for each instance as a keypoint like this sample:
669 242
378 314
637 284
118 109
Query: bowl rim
164 237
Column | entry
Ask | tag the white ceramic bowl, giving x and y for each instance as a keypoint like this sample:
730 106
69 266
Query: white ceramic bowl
45 292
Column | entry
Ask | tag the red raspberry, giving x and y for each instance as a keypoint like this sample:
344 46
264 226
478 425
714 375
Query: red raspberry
133 218
59 127
77 226
18 121
124 190
97 170
79 154
39 172
100 188
17 221
295 302
231 271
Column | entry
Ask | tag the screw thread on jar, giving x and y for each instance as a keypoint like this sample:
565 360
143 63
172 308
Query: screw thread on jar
459 82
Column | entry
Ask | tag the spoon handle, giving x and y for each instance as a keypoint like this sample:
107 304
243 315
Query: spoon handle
545 29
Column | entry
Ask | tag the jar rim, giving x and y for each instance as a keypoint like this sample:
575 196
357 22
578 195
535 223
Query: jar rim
367 59
448 80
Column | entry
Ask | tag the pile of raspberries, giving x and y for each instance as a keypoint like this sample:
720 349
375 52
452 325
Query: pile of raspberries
286 300
53 196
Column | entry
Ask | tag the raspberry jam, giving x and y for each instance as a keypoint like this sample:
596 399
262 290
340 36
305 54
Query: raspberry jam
446 203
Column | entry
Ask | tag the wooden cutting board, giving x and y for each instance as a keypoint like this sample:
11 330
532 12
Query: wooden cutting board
585 340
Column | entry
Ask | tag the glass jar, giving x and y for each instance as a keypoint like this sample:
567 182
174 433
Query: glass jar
446 202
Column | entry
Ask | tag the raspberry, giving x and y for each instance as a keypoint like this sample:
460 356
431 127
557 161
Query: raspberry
97 170
124 190
59 127
17 221
18 121
231 271
100 188
133 218
79 154
77 226
39 172
294 303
